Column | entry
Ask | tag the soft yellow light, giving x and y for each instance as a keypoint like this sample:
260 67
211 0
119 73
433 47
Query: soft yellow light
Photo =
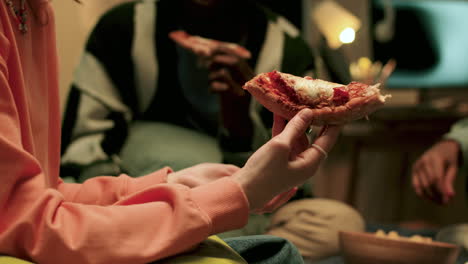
347 35
333 21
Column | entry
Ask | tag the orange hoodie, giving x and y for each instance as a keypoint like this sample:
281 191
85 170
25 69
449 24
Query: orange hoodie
106 219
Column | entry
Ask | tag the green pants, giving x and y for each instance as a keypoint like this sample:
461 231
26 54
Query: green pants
152 145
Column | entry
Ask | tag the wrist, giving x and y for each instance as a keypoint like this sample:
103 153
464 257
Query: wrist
239 179
449 145
459 154
256 197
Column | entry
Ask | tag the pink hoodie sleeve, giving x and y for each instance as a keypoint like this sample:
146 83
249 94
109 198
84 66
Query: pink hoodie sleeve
149 222
156 222
106 190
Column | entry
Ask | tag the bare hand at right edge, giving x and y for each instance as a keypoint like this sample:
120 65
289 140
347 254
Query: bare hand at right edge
434 173
278 166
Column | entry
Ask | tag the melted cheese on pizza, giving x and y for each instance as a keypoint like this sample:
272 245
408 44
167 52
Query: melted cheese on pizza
315 88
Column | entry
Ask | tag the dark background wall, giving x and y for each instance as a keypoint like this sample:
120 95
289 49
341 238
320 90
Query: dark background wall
291 9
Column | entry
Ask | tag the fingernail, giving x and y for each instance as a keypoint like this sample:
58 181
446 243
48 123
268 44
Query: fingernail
306 112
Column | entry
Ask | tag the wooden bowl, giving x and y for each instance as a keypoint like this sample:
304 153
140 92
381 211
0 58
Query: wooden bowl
367 248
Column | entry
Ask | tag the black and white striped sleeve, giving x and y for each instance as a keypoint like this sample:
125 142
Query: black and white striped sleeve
102 100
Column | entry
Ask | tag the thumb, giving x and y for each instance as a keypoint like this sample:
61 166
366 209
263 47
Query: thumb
449 179
297 126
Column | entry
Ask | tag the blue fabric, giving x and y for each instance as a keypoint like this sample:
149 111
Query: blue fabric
211 251
265 249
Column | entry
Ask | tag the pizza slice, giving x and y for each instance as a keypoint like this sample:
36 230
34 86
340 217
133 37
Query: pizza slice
285 94
206 47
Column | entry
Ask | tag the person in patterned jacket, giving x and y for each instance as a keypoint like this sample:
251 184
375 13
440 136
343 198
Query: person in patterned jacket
139 102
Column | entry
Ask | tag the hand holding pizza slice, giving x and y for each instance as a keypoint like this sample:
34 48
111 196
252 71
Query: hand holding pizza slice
226 61
285 95
228 70
206 47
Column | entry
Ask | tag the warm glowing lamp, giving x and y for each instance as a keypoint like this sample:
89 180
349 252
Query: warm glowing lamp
337 24
347 35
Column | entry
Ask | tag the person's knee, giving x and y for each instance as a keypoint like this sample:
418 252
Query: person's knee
153 145
312 225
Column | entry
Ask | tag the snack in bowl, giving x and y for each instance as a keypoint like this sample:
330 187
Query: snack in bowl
391 248
395 235
285 95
